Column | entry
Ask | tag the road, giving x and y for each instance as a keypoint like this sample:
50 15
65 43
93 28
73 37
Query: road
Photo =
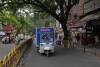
5 49
61 58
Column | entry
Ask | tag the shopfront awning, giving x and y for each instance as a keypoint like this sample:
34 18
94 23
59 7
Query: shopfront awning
79 24
96 16
90 17
86 18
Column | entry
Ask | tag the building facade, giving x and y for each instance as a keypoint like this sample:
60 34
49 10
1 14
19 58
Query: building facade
92 8
76 12
90 19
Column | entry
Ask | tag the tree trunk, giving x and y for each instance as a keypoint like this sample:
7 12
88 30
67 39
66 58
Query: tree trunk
65 31
19 30
64 26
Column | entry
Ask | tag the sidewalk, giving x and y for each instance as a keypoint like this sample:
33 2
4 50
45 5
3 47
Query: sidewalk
94 51
5 49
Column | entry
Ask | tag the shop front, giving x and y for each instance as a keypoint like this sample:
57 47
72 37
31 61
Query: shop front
96 28
93 30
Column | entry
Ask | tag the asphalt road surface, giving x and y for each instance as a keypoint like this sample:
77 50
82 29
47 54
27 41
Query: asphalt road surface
61 58
5 49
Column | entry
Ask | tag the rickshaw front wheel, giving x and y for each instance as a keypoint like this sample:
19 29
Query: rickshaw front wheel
38 49
47 53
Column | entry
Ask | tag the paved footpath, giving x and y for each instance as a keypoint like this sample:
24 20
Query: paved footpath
5 49
94 51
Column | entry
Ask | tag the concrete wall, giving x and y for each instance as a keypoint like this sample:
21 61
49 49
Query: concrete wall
78 9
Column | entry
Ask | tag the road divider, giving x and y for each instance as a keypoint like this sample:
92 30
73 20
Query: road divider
14 56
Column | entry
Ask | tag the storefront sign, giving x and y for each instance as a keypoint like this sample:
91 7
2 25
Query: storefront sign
45 29
88 7
96 4
92 5
89 29
99 2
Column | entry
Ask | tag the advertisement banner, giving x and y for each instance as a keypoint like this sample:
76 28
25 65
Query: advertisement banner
44 35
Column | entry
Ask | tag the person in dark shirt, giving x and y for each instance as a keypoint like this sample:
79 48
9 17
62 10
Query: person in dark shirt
78 37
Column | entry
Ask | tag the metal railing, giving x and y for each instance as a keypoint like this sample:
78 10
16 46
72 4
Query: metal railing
12 59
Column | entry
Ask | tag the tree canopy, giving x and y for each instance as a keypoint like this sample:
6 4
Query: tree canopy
59 9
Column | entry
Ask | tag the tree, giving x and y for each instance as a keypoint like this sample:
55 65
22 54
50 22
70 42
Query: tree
51 7
10 14
59 9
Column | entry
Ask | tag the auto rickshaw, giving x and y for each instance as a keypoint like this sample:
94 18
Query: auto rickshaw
45 40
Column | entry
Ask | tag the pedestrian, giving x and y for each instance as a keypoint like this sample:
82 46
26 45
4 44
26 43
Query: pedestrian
4 40
96 41
85 41
78 39
7 40
74 41
16 40
9 29
55 35
28 36
34 40
12 39
59 40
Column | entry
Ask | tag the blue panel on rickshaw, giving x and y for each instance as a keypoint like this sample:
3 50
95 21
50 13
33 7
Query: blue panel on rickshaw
44 35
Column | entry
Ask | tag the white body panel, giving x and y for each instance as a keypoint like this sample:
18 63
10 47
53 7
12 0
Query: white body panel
46 47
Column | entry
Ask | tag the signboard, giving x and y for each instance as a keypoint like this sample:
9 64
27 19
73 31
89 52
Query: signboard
96 4
92 5
44 35
89 30
88 7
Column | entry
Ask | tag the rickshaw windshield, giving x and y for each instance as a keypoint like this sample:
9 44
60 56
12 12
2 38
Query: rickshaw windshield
46 37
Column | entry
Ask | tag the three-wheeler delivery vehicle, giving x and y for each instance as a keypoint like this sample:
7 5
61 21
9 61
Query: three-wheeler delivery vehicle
45 40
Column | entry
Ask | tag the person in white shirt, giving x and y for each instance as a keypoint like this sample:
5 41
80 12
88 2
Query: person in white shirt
4 40
25 37
16 39
28 36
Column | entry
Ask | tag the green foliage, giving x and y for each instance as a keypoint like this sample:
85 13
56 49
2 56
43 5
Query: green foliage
59 9
9 14
47 24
